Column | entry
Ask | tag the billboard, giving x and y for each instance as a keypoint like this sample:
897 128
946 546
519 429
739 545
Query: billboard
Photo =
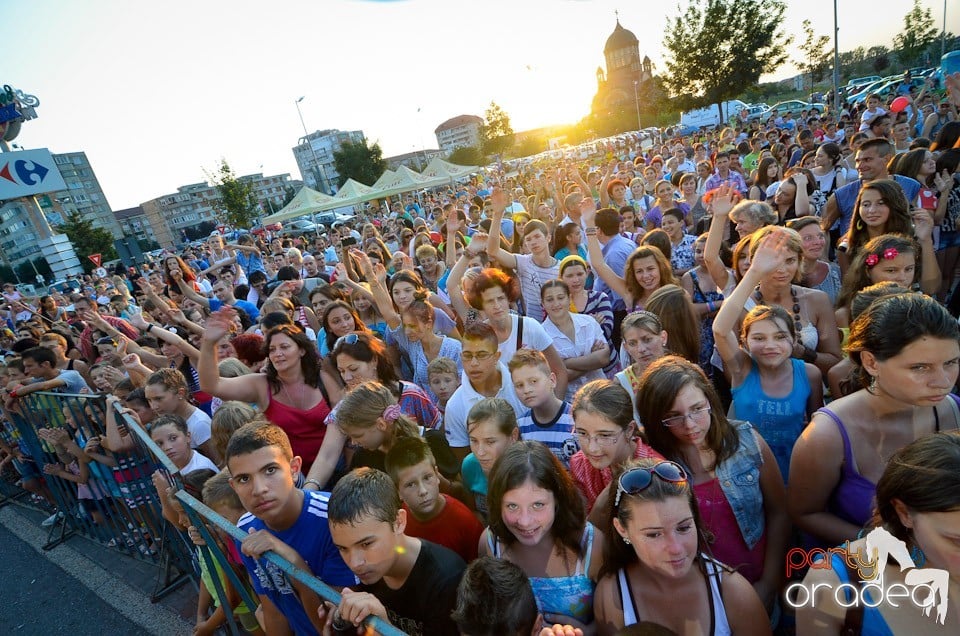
28 172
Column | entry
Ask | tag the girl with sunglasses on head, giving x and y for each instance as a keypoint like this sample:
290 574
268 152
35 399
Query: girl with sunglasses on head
905 353
656 565
733 473
537 521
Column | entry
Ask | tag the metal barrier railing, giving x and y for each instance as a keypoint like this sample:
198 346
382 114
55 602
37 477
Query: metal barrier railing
104 494
198 512
124 505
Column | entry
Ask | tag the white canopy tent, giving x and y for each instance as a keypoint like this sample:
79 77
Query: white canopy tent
307 201
351 193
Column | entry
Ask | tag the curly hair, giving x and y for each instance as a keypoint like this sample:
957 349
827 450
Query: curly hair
488 279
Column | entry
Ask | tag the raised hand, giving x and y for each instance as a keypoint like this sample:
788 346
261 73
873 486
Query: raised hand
922 225
498 199
588 211
219 324
943 181
771 254
723 199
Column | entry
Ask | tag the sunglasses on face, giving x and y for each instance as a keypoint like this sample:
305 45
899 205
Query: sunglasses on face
636 480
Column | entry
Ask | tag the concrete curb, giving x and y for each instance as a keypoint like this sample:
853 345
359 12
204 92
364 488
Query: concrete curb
131 603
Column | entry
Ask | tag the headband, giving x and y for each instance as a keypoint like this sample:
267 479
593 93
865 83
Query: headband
392 412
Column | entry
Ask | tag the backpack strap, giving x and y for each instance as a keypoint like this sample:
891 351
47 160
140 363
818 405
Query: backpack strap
519 332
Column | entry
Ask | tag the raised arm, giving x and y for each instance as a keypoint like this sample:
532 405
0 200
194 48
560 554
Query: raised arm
720 204
498 200
801 202
607 177
246 388
453 285
381 297
187 290
931 276
616 283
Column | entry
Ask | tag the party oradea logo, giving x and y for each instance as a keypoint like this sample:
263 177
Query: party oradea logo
925 588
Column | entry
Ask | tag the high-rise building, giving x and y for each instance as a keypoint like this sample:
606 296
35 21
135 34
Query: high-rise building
462 131
314 155
83 195
171 216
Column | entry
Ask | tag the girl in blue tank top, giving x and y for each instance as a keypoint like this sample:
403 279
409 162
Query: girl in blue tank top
774 387
538 522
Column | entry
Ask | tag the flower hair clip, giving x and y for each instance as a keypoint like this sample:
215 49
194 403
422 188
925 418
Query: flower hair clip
888 255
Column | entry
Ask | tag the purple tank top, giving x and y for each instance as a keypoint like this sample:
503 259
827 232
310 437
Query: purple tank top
852 499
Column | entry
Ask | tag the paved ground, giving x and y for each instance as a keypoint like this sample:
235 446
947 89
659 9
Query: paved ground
64 591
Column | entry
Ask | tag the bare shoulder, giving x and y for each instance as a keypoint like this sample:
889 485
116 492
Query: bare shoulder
742 605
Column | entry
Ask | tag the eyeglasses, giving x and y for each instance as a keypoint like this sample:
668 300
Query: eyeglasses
467 356
600 439
680 419
350 339
636 480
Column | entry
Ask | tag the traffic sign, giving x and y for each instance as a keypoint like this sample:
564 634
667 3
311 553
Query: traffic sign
96 258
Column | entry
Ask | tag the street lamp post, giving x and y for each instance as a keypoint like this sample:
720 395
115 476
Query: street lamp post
836 63
321 183
636 101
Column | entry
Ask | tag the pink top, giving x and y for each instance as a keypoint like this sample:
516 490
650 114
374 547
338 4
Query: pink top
728 547
304 427
592 481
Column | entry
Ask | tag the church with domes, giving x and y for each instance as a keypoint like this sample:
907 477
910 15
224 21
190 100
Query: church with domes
625 73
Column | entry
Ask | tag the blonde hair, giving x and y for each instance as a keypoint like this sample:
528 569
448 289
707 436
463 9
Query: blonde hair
365 404
227 419
233 368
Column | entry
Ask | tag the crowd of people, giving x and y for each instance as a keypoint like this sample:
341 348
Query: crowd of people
600 396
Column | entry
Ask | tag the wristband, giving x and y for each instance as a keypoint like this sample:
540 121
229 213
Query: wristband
590 231
149 327
312 481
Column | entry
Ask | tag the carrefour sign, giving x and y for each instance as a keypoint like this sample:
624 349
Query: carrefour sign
28 172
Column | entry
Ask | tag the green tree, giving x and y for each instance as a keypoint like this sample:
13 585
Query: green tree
717 47
466 156
147 245
360 162
237 205
288 194
913 43
87 240
816 51
496 134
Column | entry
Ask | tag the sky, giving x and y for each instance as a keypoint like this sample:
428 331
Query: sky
156 93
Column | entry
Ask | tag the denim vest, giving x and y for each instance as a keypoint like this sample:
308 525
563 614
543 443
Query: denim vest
739 478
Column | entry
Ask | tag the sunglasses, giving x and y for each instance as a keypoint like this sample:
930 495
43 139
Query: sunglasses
636 480
350 339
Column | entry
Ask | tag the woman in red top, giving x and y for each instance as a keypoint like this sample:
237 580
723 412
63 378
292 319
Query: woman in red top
292 393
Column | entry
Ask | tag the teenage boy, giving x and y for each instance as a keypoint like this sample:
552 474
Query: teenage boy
431 515
408 582
485 377
40 364
285 520
548 419
495 598
58 344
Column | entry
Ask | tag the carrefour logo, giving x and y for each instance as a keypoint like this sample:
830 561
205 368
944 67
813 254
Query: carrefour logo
27 172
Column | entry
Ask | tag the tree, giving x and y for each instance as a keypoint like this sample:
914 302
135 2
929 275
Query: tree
496 134
237 204
919 32
717 47
466 156
288 194
359 162
815 50
87 240
147 245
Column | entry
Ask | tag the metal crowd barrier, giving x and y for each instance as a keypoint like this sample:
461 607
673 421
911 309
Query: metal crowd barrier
125 513
206 521
118 505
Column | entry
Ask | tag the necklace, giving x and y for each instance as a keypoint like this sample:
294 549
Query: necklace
796 305
297 404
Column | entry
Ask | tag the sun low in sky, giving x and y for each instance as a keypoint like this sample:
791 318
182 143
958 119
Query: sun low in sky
155 93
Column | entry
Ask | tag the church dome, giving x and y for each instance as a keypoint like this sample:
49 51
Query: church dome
620 39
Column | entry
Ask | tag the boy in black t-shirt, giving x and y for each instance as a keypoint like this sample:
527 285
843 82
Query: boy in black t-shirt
409 582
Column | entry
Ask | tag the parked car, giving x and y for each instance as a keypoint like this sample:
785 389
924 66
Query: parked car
300 226
756 111
887 88
795 107
862 81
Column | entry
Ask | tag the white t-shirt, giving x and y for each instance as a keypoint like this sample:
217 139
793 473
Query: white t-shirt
532 278
587 331
463 399
199 461
534 337
199 426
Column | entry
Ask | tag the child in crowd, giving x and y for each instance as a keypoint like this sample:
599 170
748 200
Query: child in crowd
228 418
431 515
167 393
283 519
491 428
549 419
170 433
444 380
408 582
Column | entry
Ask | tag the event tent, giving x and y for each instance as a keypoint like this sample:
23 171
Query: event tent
307 201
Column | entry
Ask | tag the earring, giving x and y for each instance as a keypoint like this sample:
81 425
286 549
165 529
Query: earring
626 540
872 388
859 224
917 555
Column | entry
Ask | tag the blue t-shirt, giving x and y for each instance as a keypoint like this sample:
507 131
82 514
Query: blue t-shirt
249 308
557 434
310 537
475 481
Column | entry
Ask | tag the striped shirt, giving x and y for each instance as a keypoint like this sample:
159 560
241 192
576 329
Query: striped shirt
557 434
